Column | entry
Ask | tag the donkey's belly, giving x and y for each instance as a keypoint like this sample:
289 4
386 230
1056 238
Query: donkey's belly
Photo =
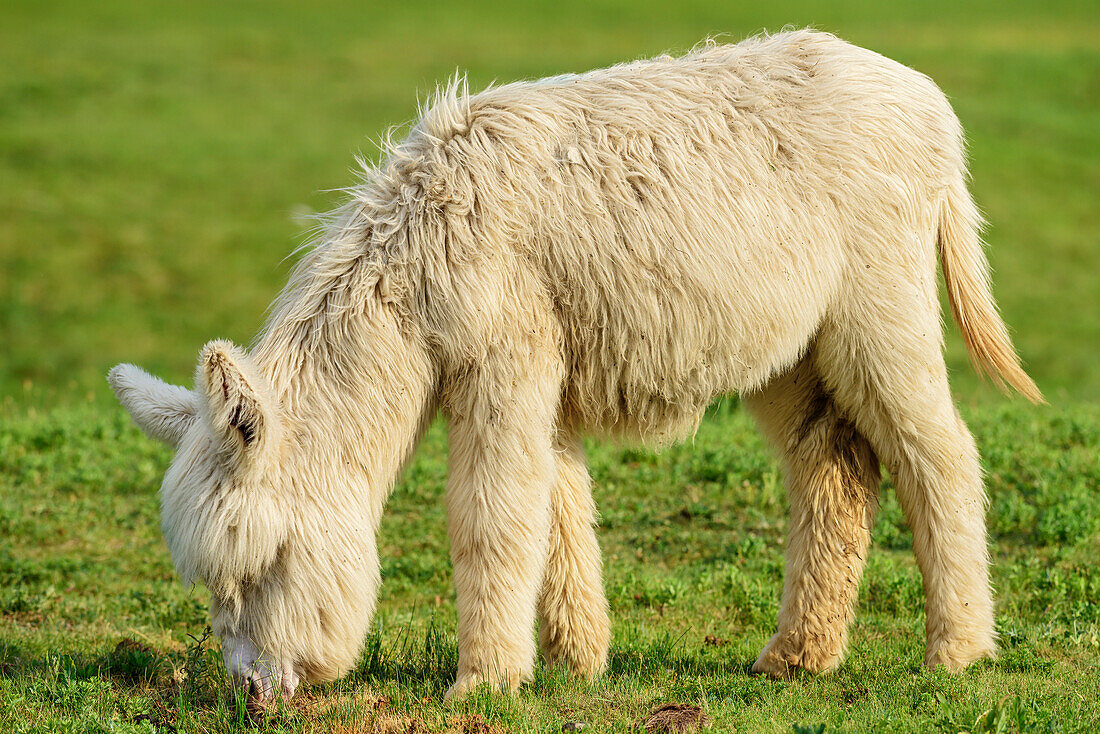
645 358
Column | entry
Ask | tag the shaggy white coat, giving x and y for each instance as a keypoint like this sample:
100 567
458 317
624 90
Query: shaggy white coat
604 252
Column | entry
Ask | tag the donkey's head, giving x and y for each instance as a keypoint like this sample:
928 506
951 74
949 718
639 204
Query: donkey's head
239 513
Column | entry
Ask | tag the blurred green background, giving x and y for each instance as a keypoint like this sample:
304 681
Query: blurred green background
156 158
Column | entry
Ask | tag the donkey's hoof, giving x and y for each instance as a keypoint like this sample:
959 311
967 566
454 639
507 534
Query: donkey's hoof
506 682
783 657
957 656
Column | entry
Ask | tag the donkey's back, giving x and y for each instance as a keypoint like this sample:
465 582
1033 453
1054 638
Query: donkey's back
695 220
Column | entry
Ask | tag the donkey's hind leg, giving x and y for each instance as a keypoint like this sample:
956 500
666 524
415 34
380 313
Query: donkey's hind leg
574 628
893 383
832 478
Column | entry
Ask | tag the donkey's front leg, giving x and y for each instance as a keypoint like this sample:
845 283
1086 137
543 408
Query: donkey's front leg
574 629
498 505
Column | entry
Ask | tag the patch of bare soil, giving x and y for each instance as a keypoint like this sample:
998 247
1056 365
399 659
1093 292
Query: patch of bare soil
382 724
473 724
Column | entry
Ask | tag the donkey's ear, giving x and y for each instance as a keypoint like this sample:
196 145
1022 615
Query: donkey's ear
161 410
239 405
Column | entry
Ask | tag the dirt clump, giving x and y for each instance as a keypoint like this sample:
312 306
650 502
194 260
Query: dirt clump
675 718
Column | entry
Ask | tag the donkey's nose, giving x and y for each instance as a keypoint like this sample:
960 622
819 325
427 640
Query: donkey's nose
289 682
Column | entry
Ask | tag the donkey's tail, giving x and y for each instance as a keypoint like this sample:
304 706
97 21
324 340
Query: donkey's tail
966 273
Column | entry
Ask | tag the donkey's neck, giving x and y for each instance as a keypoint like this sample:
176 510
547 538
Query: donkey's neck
355 386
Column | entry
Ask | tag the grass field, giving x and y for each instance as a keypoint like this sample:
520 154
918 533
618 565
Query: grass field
155 161
692 539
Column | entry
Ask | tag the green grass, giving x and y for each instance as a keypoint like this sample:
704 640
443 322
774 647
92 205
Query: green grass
154 163
693 549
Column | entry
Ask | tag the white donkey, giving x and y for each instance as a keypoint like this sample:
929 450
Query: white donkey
606 253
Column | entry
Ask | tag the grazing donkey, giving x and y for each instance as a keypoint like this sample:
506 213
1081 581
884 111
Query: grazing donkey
603 252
